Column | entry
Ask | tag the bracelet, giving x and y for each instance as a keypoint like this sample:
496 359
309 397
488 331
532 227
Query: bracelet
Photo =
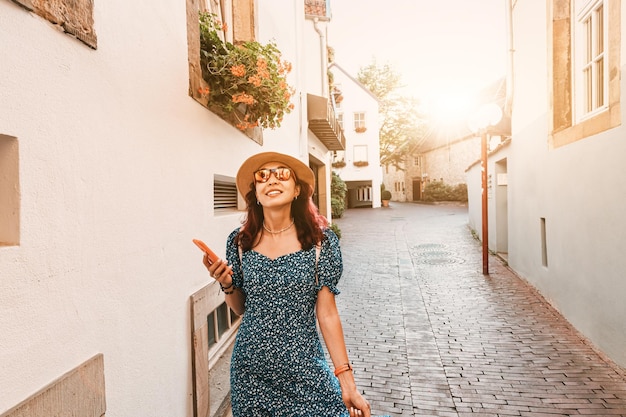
343 368
232 283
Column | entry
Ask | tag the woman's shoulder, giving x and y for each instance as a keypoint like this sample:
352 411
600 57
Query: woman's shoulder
330 237
232 236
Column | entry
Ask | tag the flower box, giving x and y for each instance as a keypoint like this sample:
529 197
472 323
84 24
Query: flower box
247 83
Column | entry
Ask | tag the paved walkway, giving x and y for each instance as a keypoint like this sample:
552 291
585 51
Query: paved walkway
429 335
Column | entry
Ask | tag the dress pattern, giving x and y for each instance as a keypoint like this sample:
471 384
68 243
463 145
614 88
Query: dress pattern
278 367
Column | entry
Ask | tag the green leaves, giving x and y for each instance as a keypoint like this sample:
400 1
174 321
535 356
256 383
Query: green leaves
247 82
402 126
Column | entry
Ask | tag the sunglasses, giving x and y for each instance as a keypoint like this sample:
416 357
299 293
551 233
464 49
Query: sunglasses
264 174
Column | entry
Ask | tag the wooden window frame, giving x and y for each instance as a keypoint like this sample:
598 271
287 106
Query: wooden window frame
74 17
564 128
9 191
239 16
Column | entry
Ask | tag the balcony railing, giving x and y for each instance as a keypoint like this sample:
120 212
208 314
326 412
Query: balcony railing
324 124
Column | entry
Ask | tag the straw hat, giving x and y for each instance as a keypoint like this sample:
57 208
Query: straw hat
245 175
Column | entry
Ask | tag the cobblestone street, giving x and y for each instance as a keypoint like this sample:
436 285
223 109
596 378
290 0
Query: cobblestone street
429 335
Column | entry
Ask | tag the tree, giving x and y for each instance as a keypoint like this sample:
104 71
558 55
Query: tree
402 126
338 189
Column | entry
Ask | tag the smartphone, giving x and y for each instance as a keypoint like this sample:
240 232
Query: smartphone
204 248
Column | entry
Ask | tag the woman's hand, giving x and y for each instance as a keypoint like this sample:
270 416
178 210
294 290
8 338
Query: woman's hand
357 405
219 270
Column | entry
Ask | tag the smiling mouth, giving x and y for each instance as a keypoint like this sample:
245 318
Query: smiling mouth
274 192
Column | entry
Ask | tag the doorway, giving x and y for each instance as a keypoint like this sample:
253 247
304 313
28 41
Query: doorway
417 190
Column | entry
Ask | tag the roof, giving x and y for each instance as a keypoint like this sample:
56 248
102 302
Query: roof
357 82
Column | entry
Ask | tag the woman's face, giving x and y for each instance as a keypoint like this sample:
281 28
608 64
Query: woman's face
276 191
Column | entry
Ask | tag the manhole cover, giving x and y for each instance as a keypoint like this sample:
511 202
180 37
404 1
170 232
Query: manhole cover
430 246
436 254
438 261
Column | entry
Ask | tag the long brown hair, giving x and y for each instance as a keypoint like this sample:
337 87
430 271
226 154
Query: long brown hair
307 219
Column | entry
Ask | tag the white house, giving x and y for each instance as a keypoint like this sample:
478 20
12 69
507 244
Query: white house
359 164
558 187
109 166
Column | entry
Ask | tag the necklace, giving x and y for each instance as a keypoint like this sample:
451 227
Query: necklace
275 232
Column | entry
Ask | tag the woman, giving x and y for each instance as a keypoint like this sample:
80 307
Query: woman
282 271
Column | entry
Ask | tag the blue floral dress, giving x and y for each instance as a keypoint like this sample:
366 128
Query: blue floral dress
278 367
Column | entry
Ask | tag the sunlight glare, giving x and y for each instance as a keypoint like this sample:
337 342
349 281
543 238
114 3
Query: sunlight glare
451 107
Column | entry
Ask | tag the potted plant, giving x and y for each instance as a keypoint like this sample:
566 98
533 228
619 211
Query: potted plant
385 197
360 129
247 83
339 164
360 163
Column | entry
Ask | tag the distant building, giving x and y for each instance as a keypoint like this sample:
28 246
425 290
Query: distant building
359 164
443 154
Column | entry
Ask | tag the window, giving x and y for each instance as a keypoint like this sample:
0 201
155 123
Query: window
224 193
213 327
360 153
219 322
9 192
359 121
590 71
416 161
585 73
340 119
238 15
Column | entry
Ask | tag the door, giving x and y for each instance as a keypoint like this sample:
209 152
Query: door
417 190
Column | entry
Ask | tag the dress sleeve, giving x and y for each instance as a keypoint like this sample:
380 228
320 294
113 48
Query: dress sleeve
232 256
330 264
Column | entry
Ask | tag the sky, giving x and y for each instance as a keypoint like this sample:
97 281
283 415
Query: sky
444 50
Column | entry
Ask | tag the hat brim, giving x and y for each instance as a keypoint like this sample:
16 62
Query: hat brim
245 175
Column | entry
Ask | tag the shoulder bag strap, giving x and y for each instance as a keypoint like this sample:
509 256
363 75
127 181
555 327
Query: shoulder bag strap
318 249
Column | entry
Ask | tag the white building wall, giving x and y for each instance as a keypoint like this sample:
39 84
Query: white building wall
497 199
356 99
580 191
116 166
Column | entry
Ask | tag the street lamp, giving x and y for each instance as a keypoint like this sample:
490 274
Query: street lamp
487 116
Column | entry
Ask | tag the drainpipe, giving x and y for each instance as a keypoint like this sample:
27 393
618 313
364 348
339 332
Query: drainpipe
323 52
508 105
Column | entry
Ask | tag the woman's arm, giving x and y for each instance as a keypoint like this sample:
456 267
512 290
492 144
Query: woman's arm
222 272
332 331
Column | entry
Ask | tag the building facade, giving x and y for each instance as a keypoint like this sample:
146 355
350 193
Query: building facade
359 164
565 191
110 163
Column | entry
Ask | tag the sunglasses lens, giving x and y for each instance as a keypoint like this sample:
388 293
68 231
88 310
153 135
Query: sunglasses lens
263 175
283 174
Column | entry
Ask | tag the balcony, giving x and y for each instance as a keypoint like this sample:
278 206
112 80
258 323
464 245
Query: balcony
323 123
